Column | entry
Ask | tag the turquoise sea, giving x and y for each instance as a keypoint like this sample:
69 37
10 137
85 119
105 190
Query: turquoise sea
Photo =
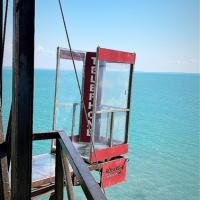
163 138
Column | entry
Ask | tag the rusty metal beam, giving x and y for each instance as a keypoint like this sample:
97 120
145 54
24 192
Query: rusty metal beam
22 98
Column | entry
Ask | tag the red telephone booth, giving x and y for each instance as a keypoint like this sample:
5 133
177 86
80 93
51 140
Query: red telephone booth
98 122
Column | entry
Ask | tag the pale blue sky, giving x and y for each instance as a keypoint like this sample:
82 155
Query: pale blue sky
163 33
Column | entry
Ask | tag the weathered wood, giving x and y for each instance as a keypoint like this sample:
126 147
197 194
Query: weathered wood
42 190
44 181
8 138
59 178
52 196
68 178
89 185
4 181
22 98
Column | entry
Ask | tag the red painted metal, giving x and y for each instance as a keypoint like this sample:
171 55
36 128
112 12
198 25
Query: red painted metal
116 56
110 152
88 93
113 172
65 54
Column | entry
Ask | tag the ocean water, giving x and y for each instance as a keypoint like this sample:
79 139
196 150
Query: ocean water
163 138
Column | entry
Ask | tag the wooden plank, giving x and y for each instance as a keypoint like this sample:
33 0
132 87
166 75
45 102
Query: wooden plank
41 182
22 98
59 181
89 185
42 190
4 181
8 138
68 178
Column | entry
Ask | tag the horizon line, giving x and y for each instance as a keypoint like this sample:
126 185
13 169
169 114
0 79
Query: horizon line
136 71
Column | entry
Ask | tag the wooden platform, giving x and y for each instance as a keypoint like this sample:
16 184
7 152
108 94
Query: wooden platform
43 169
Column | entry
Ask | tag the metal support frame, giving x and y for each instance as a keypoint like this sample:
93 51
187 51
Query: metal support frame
111 129
113 110
89 185
22 98
53 144
129 102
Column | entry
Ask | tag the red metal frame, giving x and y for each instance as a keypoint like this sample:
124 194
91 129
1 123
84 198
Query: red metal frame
110 152
88 92
116 56
65 54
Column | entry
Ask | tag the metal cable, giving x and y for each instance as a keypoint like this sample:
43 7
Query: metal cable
76 74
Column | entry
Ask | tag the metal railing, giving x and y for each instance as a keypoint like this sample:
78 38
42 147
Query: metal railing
64 145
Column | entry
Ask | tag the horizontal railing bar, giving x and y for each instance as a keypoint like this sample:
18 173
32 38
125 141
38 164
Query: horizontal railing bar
45 135
89 185
108 106
66 103
113 110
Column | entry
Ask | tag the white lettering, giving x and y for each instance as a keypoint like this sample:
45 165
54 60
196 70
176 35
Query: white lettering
91 96
94 60
92 79
93 70
92 88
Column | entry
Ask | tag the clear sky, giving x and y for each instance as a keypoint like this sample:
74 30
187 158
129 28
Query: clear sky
163 33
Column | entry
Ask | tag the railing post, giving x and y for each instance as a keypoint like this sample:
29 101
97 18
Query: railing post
69 185
73 119
58 173
111 128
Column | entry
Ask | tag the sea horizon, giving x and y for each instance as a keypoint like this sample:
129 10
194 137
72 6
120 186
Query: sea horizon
163 137
135 71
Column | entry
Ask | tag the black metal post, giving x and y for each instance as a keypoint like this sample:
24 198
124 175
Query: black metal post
22 98
59 181
129 102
